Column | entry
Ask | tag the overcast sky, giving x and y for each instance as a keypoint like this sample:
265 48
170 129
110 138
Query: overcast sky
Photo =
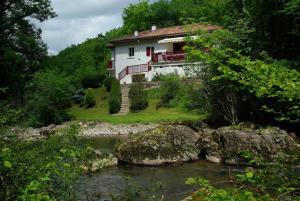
81 19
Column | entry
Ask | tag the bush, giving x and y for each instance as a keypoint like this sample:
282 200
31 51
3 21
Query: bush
48 96
92 80
90 98
169 89
108 82
138 98
42 169
115 97
9 115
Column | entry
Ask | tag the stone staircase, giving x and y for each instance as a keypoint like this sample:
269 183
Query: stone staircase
125 101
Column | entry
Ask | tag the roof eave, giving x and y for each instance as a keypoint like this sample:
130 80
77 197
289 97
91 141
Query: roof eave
121 41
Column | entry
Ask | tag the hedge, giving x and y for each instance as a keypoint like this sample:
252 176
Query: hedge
90 98
115 97
138 98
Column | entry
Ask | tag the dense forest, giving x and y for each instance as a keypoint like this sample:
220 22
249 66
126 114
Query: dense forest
250 73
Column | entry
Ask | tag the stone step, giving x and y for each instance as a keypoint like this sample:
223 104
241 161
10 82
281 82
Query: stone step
125 101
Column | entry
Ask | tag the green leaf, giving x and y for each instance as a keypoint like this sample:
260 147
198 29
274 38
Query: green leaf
7 164
249 175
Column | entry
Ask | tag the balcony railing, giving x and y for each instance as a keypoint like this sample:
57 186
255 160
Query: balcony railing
134 69
168 57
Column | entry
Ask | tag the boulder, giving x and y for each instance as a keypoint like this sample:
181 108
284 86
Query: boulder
229 142
177 143
165 144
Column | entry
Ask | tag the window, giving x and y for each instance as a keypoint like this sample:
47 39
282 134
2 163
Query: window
131 52
149 51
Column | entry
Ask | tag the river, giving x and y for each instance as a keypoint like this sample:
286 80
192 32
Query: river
171 178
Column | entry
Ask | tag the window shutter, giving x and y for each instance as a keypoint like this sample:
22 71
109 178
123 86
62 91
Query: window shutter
148 51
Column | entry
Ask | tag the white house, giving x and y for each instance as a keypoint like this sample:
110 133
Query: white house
157 51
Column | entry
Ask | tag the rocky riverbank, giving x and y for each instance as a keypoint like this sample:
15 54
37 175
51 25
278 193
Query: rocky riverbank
173 144
154 144
87 129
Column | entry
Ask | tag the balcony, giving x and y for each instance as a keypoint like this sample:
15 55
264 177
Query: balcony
134 69
168 57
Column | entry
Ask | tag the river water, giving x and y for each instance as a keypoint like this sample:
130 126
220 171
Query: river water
171 178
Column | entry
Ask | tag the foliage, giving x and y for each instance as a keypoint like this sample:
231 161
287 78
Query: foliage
9 115
276 86
130 13
236 86
165 13
210 193
22 49
138 97
255 22
92 80
267 182
115 97
90 98
87 59
182 93
278 178
42 170
48 95
169 89
108 82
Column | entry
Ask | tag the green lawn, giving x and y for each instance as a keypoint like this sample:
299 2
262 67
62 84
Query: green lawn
151 114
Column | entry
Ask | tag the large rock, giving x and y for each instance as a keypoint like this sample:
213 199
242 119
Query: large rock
228 143
165 144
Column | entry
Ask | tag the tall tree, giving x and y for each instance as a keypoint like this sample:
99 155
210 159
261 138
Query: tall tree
21 46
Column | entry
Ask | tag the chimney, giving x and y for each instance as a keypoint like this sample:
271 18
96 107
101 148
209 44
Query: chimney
153 28
136 33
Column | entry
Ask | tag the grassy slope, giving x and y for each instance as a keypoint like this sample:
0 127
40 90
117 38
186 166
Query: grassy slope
151 114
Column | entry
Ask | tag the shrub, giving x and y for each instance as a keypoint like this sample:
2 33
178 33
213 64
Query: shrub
169 89
157 77
9 115
48 95
138 98
92 80
42 169
90 98
115 97
108 82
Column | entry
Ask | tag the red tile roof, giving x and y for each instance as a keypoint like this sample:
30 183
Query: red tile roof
175 31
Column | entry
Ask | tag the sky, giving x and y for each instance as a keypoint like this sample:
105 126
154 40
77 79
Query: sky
78 20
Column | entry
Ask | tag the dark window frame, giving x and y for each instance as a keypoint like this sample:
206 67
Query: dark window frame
131 52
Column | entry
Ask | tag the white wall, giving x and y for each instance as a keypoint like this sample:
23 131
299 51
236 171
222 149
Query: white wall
123 60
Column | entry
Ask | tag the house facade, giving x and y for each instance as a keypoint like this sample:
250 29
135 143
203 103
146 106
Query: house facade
149 53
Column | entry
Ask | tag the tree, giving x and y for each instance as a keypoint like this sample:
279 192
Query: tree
242 88
48 96
22 48
136 17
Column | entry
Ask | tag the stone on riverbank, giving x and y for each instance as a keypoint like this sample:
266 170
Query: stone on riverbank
229 142
165 144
